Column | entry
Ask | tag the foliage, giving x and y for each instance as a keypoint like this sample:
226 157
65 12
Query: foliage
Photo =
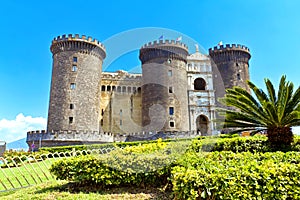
275 114
12 153
147 164
236 144
228 175
104 145
235 169
15 158
240 144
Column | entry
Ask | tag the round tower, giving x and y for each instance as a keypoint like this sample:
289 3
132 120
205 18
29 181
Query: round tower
75 86
232 61
164 89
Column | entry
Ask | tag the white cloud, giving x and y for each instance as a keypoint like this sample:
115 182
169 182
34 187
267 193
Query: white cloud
11 130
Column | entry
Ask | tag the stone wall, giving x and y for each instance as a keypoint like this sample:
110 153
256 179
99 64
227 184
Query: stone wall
66 138
232 61
164 89
121 102
75 86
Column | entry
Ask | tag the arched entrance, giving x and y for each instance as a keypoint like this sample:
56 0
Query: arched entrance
202 124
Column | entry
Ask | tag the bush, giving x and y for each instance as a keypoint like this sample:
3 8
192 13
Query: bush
240 144
148 164
12 153
228 175
193 173
92 146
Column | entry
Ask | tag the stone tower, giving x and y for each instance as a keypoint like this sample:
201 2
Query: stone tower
232 62
164 86
75 86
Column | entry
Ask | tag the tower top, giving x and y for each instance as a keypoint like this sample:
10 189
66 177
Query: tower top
165 43
77 42
77 37
166 49
227 47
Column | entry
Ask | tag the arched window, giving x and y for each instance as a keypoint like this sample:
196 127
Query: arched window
124 89
199 84
119 89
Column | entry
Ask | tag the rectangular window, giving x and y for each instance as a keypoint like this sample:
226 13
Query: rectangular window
75 59
74 68
71 120
172 124
101 122
121 122
72 86
171 110
170 73
170 89
71 106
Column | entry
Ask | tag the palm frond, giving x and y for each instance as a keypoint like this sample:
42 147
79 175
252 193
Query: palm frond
271 91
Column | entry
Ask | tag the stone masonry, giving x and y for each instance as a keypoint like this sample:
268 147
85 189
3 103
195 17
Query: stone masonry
164 90
175 96
75 87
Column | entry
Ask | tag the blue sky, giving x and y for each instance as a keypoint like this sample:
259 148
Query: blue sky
271 29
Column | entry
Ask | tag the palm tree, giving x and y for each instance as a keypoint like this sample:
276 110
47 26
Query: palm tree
272 114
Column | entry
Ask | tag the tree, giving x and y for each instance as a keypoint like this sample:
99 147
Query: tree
271 113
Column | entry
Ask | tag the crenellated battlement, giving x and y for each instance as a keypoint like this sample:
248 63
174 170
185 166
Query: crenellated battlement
233 52
84 136
236 47
52 132
77 37
164 49
75 42
162 43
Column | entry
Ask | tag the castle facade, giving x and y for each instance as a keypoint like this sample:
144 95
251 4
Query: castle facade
176 92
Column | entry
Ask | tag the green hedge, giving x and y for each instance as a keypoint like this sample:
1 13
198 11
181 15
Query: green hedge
105 145
212 175
240 144
147 164
228 175
236 144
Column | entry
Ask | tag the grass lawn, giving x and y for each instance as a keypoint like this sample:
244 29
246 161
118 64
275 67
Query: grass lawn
62 190
26 175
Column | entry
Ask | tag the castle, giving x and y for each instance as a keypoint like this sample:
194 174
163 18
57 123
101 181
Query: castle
175 95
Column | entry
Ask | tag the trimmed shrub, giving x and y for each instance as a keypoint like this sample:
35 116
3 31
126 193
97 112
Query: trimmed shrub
148 164
105 145
239 144
228 175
